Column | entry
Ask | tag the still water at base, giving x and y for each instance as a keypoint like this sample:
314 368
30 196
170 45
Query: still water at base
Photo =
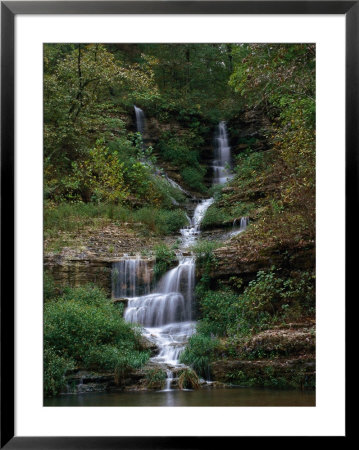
210 397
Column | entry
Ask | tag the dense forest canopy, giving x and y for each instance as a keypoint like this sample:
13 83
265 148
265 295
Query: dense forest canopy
90 90
100 171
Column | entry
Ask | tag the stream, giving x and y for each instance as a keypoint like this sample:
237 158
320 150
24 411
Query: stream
203 397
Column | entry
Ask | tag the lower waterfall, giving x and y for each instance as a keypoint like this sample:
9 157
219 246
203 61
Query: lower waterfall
165 311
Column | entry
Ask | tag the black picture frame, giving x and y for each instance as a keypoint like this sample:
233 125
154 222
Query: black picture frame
9 9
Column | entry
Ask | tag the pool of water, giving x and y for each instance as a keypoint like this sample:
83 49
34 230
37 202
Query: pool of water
208 397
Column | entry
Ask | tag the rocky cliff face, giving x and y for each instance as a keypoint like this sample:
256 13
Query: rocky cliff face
283 356
232 260
90 261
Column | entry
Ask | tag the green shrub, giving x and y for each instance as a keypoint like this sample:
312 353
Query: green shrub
155 378
193 178
89 294
165 258
55 367
199 353
270 297
219 310
215 217
188 379
49 287
203 250
85 327
171 221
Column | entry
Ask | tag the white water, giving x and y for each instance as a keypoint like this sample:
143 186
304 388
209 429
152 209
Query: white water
176 185
222 156
191 232
130 277
243 223
140 119
165 312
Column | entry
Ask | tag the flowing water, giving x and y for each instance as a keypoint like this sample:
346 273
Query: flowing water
130 277
165 312
243 223
222 156
140 120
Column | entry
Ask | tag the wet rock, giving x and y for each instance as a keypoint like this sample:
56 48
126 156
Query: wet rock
147 344
123 301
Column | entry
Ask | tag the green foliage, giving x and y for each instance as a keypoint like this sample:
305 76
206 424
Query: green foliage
215 217
203 251
155 378
188 379
165 258
193 178
219 311
199 353
192 79
267 300
270 296
100 177
249 163
280 79
182 152
49 287
55 367
83 326
73 217
161 221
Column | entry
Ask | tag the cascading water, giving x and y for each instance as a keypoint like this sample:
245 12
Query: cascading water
191 232
165 312
140 120
243 223
130 277
222 156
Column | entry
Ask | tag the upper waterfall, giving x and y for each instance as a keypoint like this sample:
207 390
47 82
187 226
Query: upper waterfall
222 156
140 120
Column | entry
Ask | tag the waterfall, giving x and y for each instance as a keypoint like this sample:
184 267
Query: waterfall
191 232
130 277
222 156
171 302
243 223
165 311
140 120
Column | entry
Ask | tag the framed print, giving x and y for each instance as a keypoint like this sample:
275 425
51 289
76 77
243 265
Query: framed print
174 185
